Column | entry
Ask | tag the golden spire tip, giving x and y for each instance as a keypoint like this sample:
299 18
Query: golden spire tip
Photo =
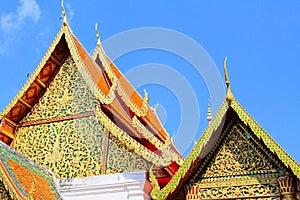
146 97
229 95
65 22
97 35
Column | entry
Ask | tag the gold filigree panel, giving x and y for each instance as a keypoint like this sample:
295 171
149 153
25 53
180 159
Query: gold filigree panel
70 148
67 95
266 191
4 194
120 159
238 156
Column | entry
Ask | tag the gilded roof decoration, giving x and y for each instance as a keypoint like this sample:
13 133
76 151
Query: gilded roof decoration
66 45
229 95
34 75
134 101
184 171
132 144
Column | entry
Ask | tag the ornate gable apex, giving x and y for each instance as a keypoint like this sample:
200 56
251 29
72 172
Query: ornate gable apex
136 108
64 44
152 149
237 153
24 179
136 105
208 140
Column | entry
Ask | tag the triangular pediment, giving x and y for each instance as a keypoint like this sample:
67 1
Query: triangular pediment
233 151
238 153
66 112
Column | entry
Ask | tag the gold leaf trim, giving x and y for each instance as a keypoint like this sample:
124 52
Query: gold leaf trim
184 168
274 147
106 99
141 112
130 143
164 147
34 74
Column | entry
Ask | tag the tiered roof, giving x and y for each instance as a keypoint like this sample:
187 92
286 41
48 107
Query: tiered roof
207 141
121 109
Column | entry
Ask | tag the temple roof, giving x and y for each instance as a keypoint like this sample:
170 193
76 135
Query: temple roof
23 179
137 109
143 132
208 140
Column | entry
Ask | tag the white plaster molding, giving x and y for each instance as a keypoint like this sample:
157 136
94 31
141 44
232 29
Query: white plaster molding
121 186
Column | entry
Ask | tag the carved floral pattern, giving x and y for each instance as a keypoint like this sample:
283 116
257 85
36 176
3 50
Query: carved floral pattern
121 159
238 156
66 95
252 191
70 148
238 168
73 147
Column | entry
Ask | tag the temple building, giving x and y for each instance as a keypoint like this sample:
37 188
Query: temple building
233 159
79 130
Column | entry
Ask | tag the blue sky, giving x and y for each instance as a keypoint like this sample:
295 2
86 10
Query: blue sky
260 38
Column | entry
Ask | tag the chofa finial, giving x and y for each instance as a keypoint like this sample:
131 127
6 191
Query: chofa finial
65 22
209 115
146 97
229 95
97 35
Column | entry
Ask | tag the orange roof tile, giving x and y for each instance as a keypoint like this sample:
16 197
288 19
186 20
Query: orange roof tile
93 69
137 99
26 178
131 92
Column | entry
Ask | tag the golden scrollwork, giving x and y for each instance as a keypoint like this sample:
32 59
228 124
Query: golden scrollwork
249 187
237 156
238 168
153 181
164 147
265 191
70 148
130 143
79 63
266 138
66 95
122 92
4 194
121 159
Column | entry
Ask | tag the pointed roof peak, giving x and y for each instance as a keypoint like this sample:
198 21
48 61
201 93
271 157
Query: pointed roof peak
229 95
65 22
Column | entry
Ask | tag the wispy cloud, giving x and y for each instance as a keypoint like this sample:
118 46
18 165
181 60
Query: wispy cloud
70 12
28 9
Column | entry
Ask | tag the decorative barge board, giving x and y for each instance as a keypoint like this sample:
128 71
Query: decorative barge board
75 120
234 159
